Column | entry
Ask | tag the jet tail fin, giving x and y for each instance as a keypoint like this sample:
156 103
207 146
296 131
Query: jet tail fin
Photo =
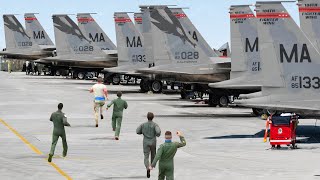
70 41
172 42
35 30
309 13
129 41
93 31
17 39
138 21
290 61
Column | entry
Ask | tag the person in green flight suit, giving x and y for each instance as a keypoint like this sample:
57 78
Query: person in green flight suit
165 155
59 120
118 107
150 131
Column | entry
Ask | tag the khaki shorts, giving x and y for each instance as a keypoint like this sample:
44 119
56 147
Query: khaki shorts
98 105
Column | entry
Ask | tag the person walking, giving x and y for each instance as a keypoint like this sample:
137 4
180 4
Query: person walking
165 156
150 131
59 120
100 95
119 106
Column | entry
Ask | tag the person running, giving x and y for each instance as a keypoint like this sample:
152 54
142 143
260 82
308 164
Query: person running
59 120
100 95
119 106
165 156
150 131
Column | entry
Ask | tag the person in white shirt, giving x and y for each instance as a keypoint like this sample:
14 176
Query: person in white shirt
100 95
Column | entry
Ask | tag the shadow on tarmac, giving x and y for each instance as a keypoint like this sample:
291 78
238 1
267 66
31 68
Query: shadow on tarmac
103 138
205 115
128 177
309 134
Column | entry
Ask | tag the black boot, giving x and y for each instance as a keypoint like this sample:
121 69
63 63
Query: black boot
148 173
50 158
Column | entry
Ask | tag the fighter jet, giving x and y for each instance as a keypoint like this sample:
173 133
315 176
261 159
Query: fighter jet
179 51
223 51
293 83
130 46
91 29
76 50
35 30
245 65
20 44
309 24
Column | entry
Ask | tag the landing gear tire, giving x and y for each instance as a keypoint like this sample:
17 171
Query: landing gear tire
213 101
156 86
81 75
116 80
183 94
144 86
58 73
257 112
270 112
223 101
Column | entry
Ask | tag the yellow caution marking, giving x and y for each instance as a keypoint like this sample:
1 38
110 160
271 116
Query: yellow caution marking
34 149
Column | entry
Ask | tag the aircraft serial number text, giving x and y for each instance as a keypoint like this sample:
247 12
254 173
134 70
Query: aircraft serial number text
306 82
139 58
24 44
187 55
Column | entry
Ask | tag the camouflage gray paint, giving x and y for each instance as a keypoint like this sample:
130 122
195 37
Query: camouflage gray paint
245 64
15 34
294 82
93 31
71 42
19 45
130 42
309 11
35 30
177 53
138 21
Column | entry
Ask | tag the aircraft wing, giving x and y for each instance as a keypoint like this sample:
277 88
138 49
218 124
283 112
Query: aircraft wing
238 83
48 47
307 106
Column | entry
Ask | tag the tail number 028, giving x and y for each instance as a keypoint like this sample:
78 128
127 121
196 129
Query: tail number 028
187 55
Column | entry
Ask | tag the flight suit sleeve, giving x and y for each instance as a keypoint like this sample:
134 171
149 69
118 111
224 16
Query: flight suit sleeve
110 104
139 129
65 120
158 130
157 158
125 104
182 142
51 118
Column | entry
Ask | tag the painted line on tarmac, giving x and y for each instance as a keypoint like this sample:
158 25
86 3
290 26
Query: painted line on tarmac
35 149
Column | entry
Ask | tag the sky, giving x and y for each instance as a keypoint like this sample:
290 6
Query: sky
210 17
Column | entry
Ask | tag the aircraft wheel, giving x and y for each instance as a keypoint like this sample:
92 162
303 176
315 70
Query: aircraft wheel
156 86
58 73
144 86
257 111
116 80
213 101
81 75
90 76
223 101
270 112
183 94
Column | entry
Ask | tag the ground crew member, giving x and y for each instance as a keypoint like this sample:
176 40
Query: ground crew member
165 155
59 120
118 107
150 131
100 95
9 66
